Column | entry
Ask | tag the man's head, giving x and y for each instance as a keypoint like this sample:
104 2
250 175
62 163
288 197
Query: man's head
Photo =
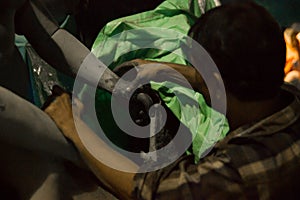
248 47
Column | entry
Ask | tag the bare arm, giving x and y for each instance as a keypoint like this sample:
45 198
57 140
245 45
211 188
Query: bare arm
58 47
38 25
159 71
118 182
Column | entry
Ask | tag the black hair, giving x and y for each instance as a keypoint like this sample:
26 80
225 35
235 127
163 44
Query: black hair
248 47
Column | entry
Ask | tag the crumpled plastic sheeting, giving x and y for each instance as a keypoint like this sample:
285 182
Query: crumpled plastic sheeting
175 15
206 125
44 77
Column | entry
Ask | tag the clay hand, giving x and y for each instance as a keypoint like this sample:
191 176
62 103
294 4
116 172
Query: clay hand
145 71
60 110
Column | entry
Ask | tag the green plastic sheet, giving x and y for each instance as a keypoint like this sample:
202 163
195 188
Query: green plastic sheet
206 125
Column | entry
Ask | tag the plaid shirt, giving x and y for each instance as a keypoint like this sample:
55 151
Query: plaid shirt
257 161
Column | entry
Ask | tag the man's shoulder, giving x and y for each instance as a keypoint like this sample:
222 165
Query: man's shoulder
291 88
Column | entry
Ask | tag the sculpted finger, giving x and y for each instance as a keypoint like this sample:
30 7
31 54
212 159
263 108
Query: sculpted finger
125 67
